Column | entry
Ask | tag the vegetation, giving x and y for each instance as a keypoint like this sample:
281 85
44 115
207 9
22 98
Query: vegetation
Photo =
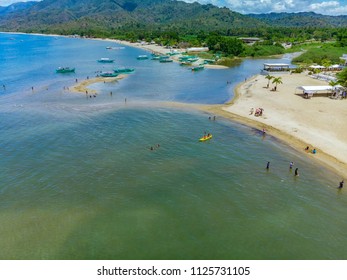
327 54
277 81
269 78
342 78
181 24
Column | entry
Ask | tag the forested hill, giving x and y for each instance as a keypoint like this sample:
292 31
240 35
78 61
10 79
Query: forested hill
304 19
15 7
104 18
91 15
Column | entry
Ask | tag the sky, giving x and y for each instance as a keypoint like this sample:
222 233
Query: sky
334 7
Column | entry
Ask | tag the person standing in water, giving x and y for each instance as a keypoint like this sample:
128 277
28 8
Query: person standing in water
291 165
268 165
341 185
296 172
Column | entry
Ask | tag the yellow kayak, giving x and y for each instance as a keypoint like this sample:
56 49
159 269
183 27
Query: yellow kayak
205 138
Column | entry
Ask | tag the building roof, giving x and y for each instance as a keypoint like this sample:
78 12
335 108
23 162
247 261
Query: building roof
276 65
318 88
317 66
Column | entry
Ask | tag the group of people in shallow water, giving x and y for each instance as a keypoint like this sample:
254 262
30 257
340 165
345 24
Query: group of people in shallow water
296 172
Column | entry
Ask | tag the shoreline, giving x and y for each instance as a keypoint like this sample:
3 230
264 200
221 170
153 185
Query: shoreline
231 110
154 48
237 109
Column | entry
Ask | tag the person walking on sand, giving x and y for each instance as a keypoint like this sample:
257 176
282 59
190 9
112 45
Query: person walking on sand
341 185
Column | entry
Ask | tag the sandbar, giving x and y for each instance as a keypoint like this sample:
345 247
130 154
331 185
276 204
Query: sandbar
82 87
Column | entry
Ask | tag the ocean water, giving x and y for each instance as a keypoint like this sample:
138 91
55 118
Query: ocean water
78 179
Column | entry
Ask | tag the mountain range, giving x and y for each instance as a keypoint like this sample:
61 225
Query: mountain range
71 15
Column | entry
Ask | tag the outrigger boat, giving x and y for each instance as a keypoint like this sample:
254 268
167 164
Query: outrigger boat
105 60
198 68
108 74
124 70
164 60
142 57
65 70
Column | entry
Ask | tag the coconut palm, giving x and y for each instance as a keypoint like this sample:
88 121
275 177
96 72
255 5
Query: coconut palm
277 81
269 78
333 84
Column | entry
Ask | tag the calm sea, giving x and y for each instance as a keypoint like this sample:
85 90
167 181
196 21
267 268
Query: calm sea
78 179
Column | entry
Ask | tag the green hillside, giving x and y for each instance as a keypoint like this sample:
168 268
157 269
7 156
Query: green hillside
51 15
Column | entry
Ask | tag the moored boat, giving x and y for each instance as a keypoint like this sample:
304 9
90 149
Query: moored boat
163 60
142 57
108 74
105 60
65 70
114 48
124 70
155 57
185 63
198 68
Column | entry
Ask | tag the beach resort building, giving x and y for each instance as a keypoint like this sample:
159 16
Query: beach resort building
275 68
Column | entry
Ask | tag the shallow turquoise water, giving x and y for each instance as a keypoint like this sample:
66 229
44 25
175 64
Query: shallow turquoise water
78 180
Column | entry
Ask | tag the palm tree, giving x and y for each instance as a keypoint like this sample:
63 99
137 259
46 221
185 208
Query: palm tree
269 78
277 81
333 84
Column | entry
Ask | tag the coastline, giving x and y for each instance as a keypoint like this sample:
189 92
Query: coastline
300 125
317 122
154 48
250 93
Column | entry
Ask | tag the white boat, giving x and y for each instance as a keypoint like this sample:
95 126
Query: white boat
105 60
142 57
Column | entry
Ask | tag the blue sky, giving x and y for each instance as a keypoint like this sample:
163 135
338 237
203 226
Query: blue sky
333 7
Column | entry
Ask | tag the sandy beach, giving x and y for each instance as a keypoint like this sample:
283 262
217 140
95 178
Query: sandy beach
82 87
317 122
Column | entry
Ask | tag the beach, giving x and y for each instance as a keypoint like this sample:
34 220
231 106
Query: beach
316 122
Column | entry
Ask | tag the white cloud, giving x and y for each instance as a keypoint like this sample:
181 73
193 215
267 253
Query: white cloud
337 7
329 4
334 7
329 7
9 2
